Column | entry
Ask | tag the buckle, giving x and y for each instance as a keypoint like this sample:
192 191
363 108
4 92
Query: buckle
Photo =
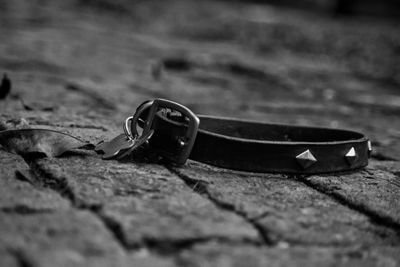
185 142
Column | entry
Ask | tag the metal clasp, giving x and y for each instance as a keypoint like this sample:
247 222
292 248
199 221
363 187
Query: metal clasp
185 142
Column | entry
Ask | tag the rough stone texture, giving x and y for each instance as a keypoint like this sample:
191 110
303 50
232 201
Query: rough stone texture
374 191
146 202
213 254
287 210
70 237
18 191
82 67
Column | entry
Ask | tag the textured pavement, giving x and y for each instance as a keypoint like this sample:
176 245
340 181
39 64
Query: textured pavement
82 67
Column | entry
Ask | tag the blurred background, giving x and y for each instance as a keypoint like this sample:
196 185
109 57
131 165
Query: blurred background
316 62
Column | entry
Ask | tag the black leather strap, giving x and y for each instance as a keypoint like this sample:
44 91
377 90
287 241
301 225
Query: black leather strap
261 147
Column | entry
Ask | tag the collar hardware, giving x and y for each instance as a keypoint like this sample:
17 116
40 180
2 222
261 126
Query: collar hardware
184 142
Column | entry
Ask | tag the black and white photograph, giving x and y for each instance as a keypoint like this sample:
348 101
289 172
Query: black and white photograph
199 133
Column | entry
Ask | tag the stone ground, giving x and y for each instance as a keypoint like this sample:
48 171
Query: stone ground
83 66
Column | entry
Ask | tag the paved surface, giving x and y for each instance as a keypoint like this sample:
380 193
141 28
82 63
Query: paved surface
82 67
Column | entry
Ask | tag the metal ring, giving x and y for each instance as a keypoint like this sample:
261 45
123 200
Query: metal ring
127 127
130 123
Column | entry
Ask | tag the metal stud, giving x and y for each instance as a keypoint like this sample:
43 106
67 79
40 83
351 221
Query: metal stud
306 159
181 143
369 148
351 156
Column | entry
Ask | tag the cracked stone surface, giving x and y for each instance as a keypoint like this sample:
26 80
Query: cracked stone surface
288 210
375 191
70 237
147 202
19 193
82 67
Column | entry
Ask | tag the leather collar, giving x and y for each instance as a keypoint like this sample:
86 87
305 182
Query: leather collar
254 146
